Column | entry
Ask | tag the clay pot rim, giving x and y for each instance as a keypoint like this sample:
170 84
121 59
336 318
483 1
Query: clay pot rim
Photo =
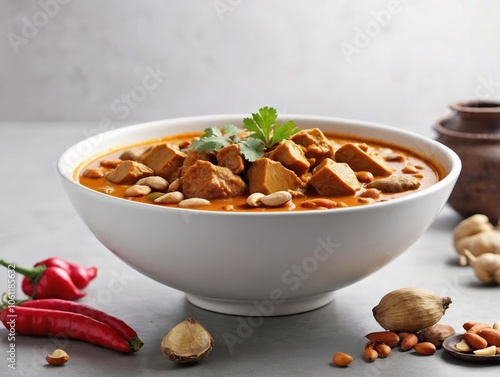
438 127
476 106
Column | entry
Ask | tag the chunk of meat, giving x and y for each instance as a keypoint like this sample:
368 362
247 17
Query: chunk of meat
316 144
395 183
332 178
191 157
267 176
208 181
129 172
164 160
360 160
291 156
230 157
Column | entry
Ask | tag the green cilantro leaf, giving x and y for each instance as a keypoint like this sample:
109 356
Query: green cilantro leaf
251 148
284 131
265 133
230 130
262 124
211 140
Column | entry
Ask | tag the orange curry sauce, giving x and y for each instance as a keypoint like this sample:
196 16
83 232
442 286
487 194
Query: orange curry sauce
428 174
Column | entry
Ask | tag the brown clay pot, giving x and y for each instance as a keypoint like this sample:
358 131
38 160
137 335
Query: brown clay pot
473 132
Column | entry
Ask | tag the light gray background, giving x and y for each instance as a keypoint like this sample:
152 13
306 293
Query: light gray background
75 60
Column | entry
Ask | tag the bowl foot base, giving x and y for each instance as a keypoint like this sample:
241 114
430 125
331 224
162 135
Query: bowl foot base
261 308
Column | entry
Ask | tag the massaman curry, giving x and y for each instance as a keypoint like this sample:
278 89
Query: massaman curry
264 166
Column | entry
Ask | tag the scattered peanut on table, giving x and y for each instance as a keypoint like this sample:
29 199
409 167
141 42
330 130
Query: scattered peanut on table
342 359
58 357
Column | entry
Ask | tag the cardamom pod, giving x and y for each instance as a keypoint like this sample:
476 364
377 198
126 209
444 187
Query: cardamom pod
410 309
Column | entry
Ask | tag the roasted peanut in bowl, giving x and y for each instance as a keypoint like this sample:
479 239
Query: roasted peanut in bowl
258 214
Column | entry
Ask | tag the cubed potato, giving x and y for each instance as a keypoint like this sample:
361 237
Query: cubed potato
291 156
334 179
267 176
129 172
164 160
360 160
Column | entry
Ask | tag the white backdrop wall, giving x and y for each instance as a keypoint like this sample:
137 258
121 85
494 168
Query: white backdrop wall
398 62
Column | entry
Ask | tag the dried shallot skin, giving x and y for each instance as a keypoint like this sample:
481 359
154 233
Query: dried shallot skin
187 342
436 334
410 309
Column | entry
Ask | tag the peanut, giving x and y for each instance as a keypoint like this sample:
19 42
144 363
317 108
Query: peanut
130 154
396 157
496 326
173 197
370 354
364 176
468 325
342 359
408 342
403 334
254 199
370 193
175 185
58 357
137 190
475 341
424 348
319 203
155 182
388 337
365 200
477 327
409 169
382 349
93 172
492 336
276 199
112 164
193 202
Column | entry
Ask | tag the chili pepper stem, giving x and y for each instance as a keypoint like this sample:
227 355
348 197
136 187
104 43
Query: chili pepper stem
4 302
135 343
34 274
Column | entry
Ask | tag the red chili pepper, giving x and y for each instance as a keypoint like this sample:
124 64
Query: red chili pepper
53 283
46 322
47 282
124 330
80 275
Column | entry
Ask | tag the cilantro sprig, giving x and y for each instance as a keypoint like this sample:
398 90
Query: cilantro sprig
214 139
264 134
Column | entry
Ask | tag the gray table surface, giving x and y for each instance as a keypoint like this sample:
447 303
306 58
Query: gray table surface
37 221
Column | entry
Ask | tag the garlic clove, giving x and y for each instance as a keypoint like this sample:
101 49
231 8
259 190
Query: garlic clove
463 346
486 266
187 342
472 225
488 351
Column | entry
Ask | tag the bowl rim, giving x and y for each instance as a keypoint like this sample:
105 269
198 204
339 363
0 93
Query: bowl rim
451 175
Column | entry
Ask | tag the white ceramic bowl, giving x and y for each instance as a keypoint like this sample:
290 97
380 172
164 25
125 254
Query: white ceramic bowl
257 264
